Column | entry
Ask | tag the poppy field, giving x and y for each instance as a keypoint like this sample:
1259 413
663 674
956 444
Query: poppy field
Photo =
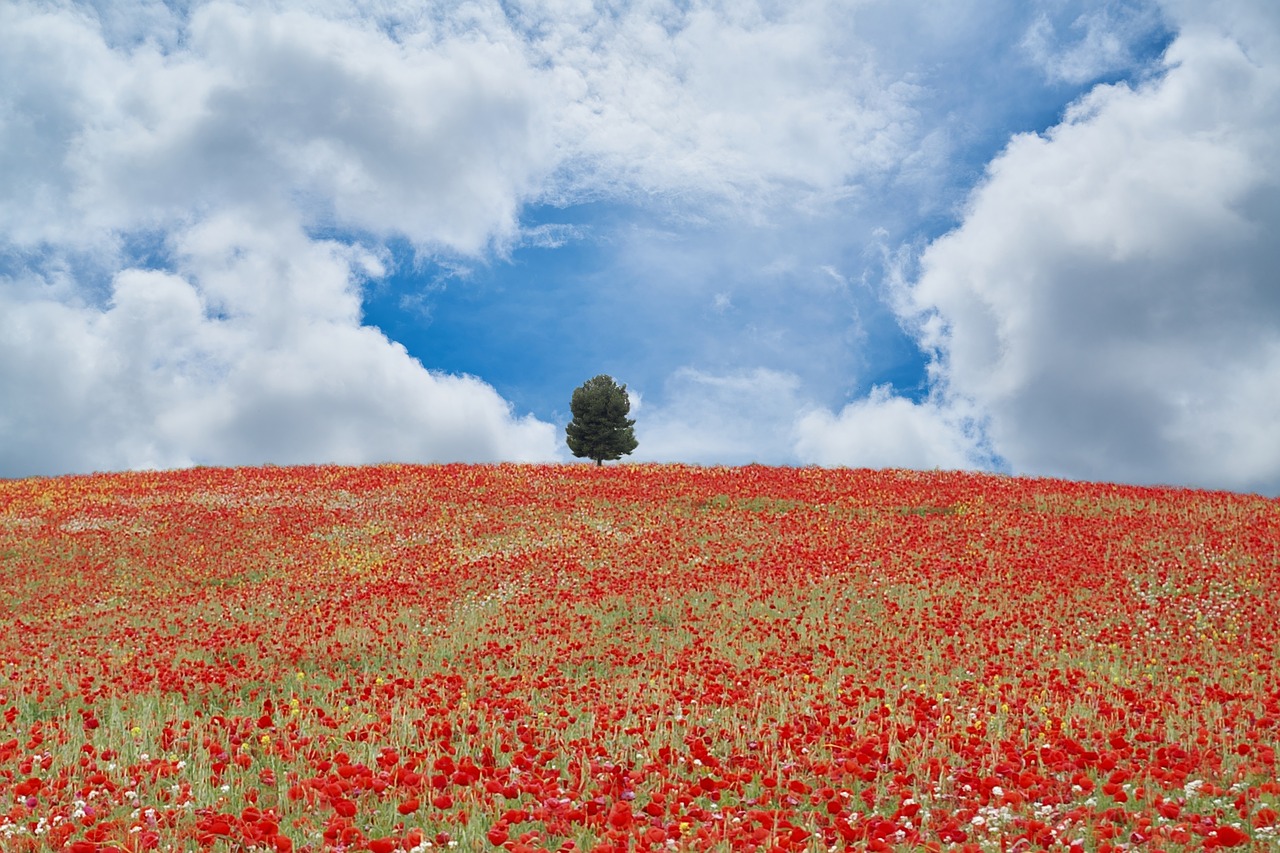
637 657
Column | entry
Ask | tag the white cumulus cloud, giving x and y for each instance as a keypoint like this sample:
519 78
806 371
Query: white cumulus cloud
1109 300
440 136
723 418
887 431
231 139
251 353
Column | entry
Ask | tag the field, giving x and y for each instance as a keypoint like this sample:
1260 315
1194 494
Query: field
634 658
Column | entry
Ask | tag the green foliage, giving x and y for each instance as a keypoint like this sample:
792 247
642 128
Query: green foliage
600 428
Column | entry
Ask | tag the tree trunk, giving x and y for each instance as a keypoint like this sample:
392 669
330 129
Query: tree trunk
599 462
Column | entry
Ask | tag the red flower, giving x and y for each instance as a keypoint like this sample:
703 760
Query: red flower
1226 836
620 815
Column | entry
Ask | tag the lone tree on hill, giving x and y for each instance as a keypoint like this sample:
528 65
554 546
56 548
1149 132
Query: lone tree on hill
600 428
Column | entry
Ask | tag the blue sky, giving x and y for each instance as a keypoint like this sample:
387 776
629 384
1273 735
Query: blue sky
1011 235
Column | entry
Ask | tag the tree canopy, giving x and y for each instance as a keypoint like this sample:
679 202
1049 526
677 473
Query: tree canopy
600 428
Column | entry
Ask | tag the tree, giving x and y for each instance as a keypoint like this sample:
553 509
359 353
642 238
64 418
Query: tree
600 428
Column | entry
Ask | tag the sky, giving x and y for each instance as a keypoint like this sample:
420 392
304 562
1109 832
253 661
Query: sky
1027 236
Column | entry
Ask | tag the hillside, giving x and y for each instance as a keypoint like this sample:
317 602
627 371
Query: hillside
635 657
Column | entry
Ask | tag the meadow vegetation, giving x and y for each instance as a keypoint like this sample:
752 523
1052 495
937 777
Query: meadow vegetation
405 658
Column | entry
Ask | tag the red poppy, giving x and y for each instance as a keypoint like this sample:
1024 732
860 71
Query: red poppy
1226 836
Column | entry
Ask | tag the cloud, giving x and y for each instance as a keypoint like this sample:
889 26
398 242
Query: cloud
167 296
251 353
748 415
736 108
1074 45
886 431
439 137
234 173
197 196
721 418
1109 299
